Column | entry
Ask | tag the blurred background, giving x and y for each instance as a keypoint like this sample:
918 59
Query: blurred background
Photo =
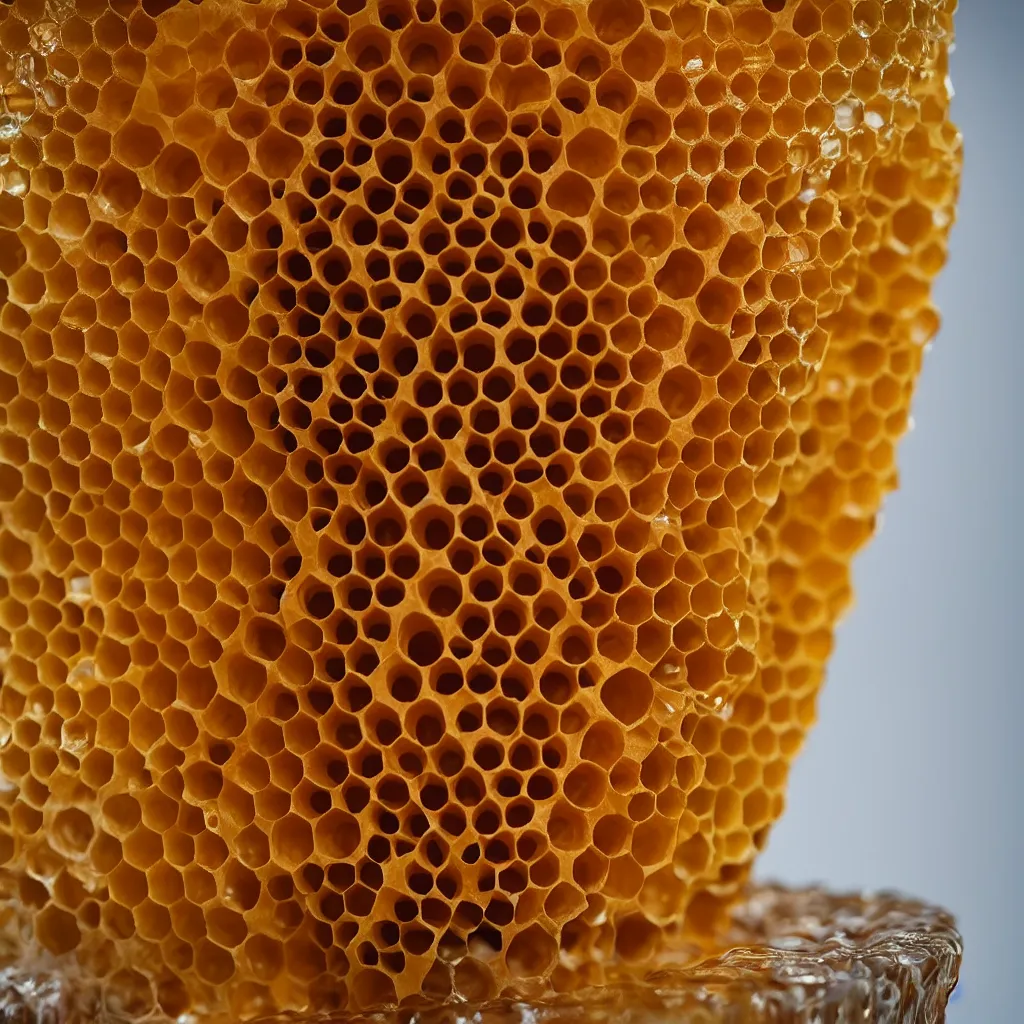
912 780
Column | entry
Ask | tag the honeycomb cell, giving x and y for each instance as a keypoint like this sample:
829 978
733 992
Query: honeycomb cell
433 443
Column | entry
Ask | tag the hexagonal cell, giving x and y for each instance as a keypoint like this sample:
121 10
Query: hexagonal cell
137 144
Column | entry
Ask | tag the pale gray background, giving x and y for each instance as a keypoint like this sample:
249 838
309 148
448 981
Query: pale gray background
912 778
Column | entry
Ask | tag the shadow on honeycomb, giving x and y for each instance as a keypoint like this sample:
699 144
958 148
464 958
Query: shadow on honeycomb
433 441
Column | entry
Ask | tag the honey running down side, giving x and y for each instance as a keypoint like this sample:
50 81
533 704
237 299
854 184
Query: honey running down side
433 442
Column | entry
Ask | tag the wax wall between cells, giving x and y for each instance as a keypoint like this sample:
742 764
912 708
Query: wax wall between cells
432 446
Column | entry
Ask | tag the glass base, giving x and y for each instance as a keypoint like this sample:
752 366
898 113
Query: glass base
790 957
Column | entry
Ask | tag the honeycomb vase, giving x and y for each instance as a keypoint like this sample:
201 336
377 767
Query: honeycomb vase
433 442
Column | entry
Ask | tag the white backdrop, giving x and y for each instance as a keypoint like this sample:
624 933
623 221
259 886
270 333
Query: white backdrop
912 779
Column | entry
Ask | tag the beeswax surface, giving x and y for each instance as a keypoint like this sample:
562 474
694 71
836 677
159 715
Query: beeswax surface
433 442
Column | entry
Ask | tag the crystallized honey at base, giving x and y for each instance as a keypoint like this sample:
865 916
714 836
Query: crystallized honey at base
433 441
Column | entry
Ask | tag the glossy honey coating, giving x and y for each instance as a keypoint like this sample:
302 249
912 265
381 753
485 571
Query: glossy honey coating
433 441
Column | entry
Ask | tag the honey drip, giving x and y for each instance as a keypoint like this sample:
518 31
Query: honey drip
433 442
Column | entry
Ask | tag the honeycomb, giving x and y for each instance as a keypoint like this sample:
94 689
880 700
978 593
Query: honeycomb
433 443
883 959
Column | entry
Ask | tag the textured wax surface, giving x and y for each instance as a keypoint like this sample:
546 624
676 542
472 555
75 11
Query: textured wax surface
789 957
434 440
